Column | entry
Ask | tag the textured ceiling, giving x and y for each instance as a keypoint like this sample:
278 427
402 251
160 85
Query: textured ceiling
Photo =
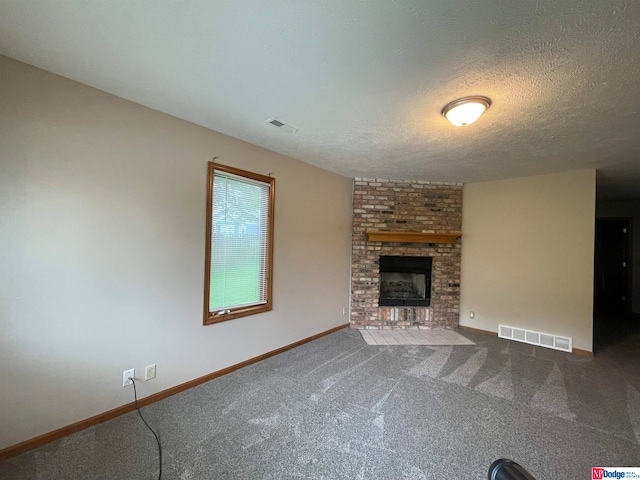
365 81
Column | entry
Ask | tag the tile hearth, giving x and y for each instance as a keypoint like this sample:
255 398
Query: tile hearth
414 337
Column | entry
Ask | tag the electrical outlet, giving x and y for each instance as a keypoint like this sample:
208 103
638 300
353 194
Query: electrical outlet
472 314
127 375
150 372
344 310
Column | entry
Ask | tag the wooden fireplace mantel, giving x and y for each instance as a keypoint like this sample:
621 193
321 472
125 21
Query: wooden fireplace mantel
412 237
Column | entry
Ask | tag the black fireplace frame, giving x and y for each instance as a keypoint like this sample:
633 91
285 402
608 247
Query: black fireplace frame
405 264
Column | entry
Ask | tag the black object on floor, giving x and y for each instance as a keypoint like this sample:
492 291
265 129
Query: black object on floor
504 469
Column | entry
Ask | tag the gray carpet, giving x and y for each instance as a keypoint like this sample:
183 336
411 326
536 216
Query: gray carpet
337 408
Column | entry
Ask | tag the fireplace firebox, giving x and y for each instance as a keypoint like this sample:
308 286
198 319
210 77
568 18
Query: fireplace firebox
405 281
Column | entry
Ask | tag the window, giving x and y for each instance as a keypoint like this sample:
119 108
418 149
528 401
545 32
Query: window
239 243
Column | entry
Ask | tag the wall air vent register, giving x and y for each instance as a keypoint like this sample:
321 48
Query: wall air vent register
548 340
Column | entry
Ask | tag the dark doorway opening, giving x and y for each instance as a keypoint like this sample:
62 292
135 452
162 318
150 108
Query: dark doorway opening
612 287
612 280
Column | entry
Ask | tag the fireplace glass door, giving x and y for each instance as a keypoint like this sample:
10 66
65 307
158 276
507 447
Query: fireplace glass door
405 281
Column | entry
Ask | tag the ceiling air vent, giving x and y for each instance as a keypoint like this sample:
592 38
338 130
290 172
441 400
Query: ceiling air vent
283 125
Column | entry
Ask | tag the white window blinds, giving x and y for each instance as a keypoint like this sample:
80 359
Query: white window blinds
239 242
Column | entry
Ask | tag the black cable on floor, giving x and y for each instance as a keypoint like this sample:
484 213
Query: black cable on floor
135 396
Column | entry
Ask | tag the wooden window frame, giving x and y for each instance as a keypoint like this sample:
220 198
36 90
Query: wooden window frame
209 317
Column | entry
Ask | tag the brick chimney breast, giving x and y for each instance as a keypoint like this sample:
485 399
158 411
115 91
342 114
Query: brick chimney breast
405 206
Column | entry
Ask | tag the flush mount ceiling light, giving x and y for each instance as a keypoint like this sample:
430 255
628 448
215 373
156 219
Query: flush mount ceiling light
465 111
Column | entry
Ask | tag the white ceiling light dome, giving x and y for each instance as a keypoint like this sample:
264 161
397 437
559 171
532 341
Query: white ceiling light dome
464 111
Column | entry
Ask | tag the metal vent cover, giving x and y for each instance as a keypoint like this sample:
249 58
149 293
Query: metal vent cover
276 122
541 339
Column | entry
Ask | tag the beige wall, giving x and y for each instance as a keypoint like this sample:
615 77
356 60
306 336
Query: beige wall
527 254
102 232
627 209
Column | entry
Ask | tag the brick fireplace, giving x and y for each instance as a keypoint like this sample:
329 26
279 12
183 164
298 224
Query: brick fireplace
384 208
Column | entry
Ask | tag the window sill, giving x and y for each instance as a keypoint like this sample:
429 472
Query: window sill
211 318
